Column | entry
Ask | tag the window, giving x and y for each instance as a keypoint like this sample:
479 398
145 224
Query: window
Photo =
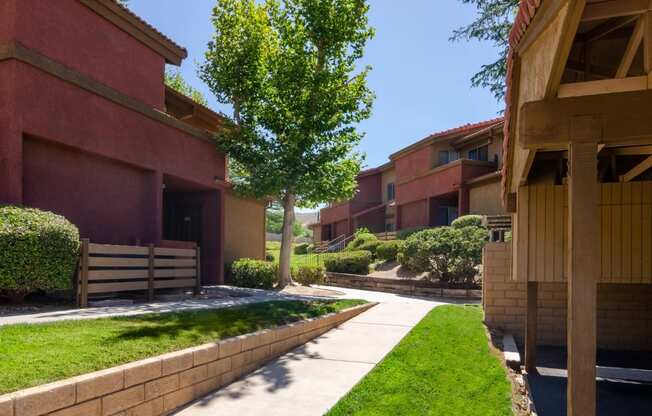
391 192
480 153
447 156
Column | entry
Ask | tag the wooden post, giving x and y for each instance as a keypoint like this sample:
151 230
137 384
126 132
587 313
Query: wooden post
531 327
583 271
150 273
198 269
83 274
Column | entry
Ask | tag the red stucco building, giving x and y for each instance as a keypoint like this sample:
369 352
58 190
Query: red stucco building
89 130
429 183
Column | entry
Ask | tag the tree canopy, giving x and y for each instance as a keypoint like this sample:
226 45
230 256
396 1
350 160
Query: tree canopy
175 80
288 68
493 23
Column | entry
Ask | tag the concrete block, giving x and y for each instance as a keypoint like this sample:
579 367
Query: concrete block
123 400
241 359
100 383
193 375
219 367
261 353
207 386
177 399
150 408
229 347
92 408
142 371
45 399
176 362
205 354
6 406
162 386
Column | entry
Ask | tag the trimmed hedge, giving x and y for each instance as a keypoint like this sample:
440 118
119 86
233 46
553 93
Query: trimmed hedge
307 275
364 241
387 250
38 251
351 262
467 221
301 248
256 274
407 232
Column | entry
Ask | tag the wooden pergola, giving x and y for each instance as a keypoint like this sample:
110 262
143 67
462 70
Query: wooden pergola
578 154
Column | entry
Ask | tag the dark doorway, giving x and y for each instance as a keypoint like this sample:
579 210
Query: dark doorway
182 217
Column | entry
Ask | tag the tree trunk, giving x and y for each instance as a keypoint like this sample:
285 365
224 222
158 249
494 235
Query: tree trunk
285 277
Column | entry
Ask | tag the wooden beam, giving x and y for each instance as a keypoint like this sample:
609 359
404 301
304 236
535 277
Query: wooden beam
614 8
568 31
547 12
622 118
647 43
527 166
608 27
632 150
531 327
632 48
637 170
603 86
583 273
521 235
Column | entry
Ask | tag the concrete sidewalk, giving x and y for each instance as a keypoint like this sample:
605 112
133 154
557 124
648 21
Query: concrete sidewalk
312 378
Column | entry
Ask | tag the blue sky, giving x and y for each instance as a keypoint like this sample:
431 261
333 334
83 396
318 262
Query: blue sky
421 80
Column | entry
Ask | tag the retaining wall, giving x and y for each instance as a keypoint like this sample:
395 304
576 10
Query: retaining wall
624 310
399 286
159 385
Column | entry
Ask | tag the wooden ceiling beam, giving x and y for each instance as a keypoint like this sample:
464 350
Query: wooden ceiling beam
632 150
608 27
632 48
622 118
637 170
614 8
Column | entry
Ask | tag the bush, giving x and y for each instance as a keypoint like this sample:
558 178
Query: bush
38 251
364 240
467 221
307 275
387 250
407 232
301 248
269 256
449 254
352 262
257 274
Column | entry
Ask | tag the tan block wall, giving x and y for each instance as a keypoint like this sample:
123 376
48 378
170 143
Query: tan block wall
484 199
624 310
159 385
244 222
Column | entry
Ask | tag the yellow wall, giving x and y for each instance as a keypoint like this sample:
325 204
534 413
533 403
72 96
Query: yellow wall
244 224
388 177
484 198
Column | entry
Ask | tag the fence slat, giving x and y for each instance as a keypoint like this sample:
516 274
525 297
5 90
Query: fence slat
116 262
175 273
116 249
150 273
163 284
95 288
83 284
175 262
178 252
94 275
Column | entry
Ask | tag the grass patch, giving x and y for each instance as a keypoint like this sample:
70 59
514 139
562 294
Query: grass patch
298 259
41 353
442 367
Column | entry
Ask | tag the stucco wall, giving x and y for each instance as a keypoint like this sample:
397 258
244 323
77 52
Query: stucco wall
244 225
72 33
624 310
414 214
485 198
388 177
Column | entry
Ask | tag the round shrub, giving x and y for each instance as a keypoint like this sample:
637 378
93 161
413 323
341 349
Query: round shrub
256 274
38 251
449 254
307 275
301 248
362 238
407 232
387 250
467 221
351 262
269 256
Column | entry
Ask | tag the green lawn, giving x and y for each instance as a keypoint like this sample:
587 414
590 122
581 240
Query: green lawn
35 354
442 367
274 247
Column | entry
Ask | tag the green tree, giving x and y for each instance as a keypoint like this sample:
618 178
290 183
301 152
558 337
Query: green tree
288 68
275 222
175 80
493 23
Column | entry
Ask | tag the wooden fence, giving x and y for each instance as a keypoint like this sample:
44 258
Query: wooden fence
106 269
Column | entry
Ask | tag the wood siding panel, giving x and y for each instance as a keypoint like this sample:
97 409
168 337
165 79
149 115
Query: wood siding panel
625 242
